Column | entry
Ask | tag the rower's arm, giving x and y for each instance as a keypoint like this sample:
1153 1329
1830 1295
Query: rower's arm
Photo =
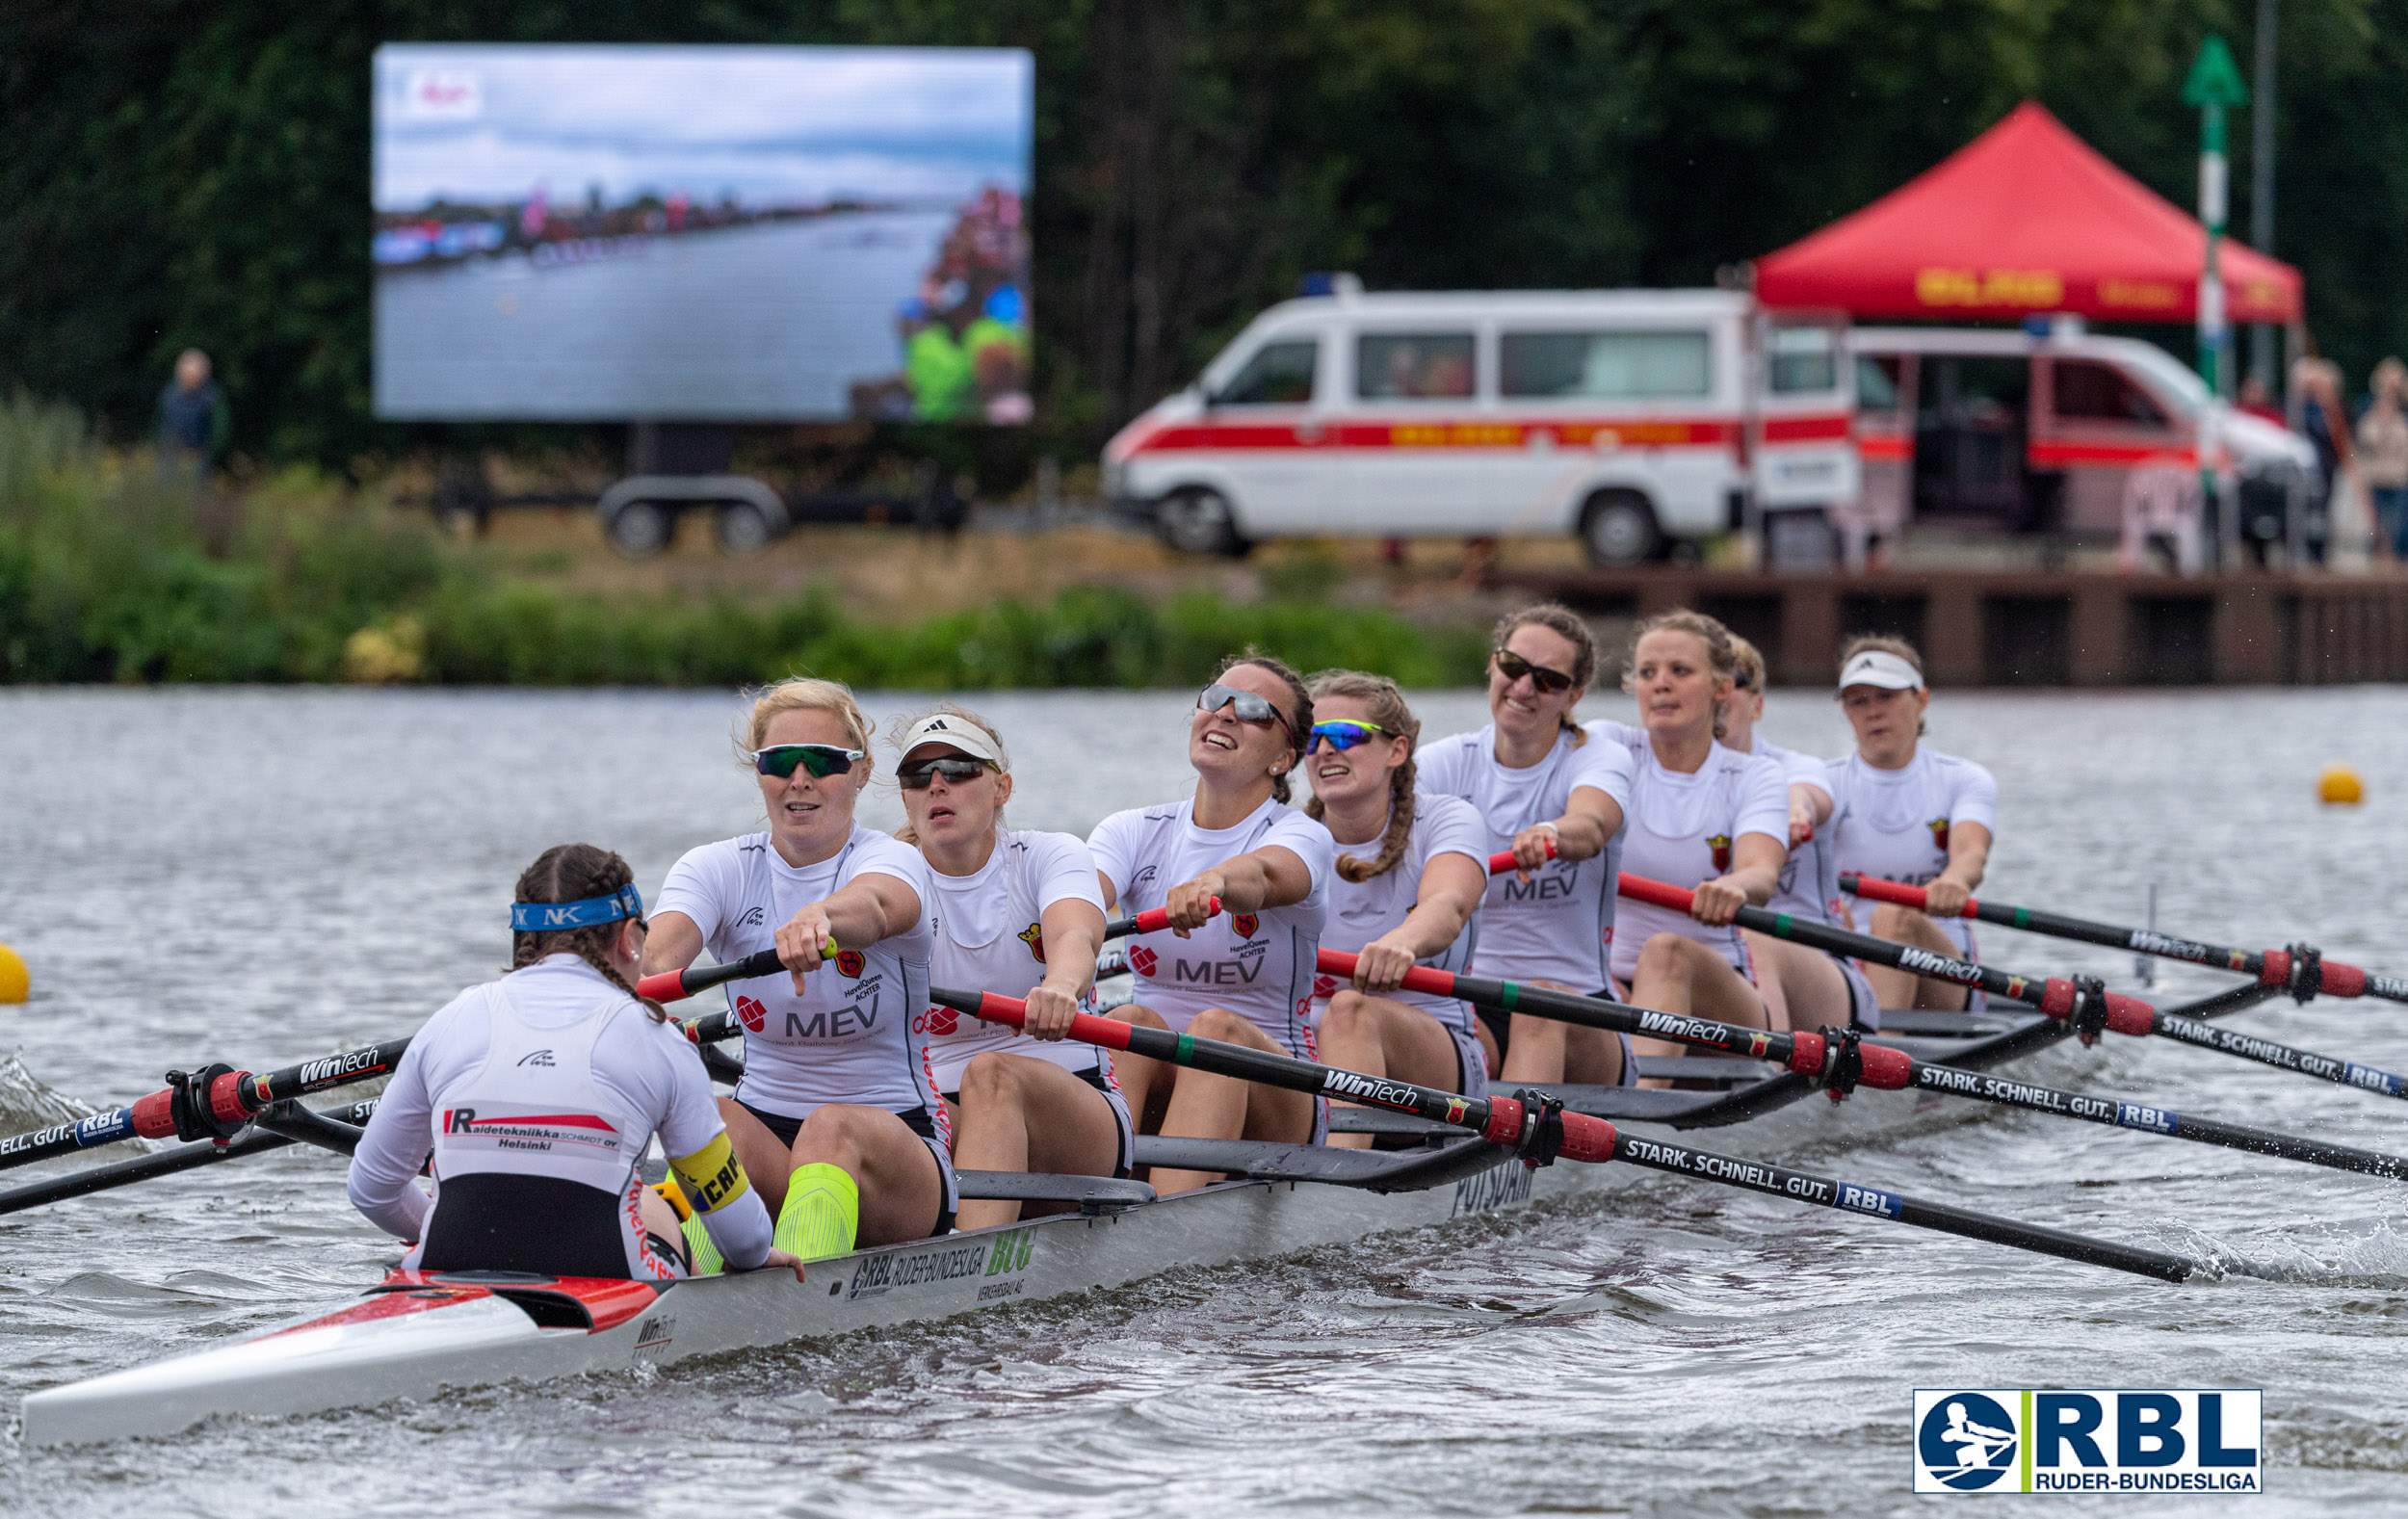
1072 931
1755 870
1588 824
1273 876
672 942
383 1179
712 1181
1450 890
1810 808
1969 856
873 905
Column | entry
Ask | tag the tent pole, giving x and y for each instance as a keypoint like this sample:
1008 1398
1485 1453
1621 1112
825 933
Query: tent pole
2261 355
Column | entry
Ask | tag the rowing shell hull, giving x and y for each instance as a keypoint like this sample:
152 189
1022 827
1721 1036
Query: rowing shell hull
425 1334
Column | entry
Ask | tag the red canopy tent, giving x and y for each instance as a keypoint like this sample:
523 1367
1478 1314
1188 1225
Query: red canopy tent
2026 217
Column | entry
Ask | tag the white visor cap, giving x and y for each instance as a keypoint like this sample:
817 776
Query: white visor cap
1880 667
954 733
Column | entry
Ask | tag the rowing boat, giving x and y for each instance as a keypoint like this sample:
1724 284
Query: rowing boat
415 1335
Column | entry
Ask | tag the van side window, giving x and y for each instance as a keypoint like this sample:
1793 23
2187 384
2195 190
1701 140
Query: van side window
1278 375
1391 366
2093 392
1877 383
1621 366
1802 358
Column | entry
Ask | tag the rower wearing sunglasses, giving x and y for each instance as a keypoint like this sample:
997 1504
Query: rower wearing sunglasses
1538 784
1702 815
1806 987
1243 975
1411 897
836 1120
1018 912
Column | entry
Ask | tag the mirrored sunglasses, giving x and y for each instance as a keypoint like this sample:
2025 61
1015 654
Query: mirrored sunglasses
955 768
818 760
1343 734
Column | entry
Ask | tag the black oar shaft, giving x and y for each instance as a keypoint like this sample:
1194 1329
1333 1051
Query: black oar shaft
166 1163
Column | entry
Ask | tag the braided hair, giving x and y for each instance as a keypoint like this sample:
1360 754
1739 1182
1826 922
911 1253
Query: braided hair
573 873
1299 721
1386 704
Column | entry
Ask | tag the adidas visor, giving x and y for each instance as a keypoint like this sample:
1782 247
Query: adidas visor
953 733
1878 667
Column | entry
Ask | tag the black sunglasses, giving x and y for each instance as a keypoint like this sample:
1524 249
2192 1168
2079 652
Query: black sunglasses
1245 705
916 775
822 760
1513 667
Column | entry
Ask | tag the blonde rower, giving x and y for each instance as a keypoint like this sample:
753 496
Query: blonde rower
1245 975
1018 912
837 1118
1409 896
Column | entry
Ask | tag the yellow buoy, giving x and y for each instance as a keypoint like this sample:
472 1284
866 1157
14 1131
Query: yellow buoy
16 983
2340 787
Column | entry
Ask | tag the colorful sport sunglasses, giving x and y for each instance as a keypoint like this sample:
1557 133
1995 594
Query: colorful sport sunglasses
822 760
956 769
1245 705
1513 667
1343 733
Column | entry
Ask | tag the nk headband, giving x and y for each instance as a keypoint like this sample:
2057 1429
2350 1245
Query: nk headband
546 917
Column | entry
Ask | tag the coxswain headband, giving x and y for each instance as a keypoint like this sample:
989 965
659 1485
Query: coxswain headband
547 917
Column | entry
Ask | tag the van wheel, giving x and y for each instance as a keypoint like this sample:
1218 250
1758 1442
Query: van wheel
1198 521
741 528
641 530
1618 530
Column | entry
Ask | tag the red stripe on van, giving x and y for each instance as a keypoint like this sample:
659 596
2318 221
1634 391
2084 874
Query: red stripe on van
2121 455
1446 433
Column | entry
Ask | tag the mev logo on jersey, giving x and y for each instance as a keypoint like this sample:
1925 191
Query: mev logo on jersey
2075 1440
1143 960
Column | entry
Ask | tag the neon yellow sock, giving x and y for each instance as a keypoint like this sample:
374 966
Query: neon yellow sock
822 1214
707 1260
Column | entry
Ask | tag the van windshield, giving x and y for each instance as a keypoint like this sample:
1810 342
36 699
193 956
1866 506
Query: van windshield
1278 375
2171 374
1621 366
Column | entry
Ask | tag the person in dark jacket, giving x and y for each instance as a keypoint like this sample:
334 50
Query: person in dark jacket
193 418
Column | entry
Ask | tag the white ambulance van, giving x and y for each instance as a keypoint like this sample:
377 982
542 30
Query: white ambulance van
1636 419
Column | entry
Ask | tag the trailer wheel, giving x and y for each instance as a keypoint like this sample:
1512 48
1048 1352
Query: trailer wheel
641 528
1618 530
1198 520
741 528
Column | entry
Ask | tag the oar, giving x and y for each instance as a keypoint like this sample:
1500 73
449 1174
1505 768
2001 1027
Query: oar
1841 1063
2303 974
1535 1126
671 985
212 1103
166 1163
2085 1004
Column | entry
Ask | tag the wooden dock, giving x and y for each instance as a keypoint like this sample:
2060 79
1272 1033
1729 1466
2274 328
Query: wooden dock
2033 629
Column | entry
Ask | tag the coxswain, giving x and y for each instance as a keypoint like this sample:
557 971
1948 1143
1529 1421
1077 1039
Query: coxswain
531 1099
1906 812
1018 912
837 1118
1244 975
1702 815
1805 988
1543 790
1408 895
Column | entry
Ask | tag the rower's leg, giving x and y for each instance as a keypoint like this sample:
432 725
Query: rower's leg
1545 1052
1897 989
1802 987
1382 1037
1023 1115
764 1156
1144 1083
1679 975
1204 1106
895 1191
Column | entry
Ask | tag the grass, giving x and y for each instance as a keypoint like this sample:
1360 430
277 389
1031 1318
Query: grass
109 572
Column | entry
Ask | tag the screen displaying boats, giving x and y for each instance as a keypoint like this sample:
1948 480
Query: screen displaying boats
605 233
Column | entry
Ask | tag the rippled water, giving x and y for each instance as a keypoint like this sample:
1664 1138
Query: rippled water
264 876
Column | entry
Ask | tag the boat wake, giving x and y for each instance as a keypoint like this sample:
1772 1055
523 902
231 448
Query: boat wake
28 1102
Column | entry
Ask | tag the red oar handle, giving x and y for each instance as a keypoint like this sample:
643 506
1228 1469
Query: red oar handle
677 985
1152 920
1501 862
1873 888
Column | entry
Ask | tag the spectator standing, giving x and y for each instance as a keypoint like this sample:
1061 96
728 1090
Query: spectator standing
2383 448
2326 428
192 419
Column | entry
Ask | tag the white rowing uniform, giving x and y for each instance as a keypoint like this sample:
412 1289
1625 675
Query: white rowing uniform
1809 889
847 1038
535 1096
1363 910
1256 964
1684 831
1558 926
991 937
1894 823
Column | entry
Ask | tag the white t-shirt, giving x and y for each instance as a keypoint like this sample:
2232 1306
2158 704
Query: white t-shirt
1809 877
1362 910
1894 823
646 1068
1257 964
848 1037
1559 925
989 937
1685 829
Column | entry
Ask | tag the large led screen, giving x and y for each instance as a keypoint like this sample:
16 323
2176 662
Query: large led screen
701 233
